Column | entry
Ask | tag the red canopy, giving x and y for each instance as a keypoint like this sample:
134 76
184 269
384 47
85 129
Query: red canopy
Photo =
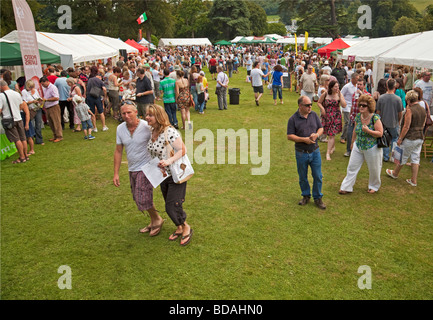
134 44
334 45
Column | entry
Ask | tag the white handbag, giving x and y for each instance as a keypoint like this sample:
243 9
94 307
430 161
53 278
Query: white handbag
181 169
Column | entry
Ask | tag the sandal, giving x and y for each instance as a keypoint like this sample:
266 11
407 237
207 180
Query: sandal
390 173
19 160
371 191
343 192
189 236
410 182
174 236
145 229
157 228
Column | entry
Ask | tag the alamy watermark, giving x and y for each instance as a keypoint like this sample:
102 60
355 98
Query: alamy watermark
364 281
65 21
249 152
364 22
65 280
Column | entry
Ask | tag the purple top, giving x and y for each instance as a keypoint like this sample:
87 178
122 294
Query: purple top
50 92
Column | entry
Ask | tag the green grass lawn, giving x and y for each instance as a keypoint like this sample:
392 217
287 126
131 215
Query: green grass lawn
251 239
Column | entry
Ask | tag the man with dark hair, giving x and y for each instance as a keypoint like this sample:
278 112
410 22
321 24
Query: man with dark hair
257 76
390 109
144 92
340 73
304 127
167 87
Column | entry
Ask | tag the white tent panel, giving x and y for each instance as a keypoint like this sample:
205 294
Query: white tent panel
115 43
368 50
416 52
184 42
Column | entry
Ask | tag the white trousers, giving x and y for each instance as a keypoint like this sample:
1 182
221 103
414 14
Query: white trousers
373 157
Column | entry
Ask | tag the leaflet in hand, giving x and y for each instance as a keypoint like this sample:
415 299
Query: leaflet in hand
153 172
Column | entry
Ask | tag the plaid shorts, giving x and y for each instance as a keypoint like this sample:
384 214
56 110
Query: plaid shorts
142 190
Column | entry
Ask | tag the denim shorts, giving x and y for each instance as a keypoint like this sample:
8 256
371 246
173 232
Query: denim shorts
87 124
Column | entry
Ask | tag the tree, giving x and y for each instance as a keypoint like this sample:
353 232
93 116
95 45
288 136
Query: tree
277 28
405 25
426 22
191 16
258 19
7 15
231 18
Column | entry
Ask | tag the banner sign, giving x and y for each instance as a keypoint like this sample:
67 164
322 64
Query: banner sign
28 41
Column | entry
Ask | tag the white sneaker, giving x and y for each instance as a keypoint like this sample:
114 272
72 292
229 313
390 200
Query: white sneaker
105 128
347 154
95 130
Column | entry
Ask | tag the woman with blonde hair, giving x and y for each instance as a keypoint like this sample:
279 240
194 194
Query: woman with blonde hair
367 129
163 134
411 137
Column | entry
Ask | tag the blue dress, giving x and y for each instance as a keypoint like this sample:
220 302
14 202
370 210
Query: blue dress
31 132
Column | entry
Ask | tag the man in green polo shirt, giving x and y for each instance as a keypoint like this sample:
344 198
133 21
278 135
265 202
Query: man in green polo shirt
167 87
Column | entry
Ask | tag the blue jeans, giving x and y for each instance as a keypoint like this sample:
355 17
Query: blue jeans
170 108
194 96
38 127
314 160
387 151
275 90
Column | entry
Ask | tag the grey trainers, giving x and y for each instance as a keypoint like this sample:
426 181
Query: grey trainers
320 203
304 201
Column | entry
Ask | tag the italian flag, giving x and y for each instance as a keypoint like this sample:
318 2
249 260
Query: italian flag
142 18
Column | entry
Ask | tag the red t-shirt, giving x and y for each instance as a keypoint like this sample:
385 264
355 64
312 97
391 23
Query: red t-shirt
213 62
52 78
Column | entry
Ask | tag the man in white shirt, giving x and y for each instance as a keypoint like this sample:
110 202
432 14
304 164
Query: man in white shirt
348 91
134 134
426 86
256 81
11 107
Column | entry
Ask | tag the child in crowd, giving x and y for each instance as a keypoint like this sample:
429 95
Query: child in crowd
84 113
129 94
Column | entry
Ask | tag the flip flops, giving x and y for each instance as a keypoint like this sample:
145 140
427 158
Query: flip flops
19 160
158 228
174 236
410 182
189 236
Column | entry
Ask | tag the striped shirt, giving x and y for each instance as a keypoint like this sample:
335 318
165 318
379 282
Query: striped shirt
168 87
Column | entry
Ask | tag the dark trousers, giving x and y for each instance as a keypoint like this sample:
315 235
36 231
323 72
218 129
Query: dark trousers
174 197
67 105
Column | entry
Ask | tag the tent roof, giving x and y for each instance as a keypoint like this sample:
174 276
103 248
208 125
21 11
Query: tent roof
139 47
115 43
223 43
11 55
406 55
334 45
184 42
368 50
81 47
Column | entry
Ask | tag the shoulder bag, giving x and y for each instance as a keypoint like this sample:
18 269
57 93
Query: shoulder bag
8 123
181 169
385 140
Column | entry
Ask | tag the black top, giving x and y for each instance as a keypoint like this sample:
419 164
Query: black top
304 127
143 86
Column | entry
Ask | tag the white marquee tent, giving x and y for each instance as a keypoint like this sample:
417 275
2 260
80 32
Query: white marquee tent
184 42
115 43
76 48
410 49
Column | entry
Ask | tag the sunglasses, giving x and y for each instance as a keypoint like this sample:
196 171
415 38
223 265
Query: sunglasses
308 105
363 105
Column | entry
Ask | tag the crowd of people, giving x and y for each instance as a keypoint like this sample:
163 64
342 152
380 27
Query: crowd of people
129 89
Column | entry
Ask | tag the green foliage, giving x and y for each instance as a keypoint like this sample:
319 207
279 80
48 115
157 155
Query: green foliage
277 28
258 19
191 18
405 25
231 18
